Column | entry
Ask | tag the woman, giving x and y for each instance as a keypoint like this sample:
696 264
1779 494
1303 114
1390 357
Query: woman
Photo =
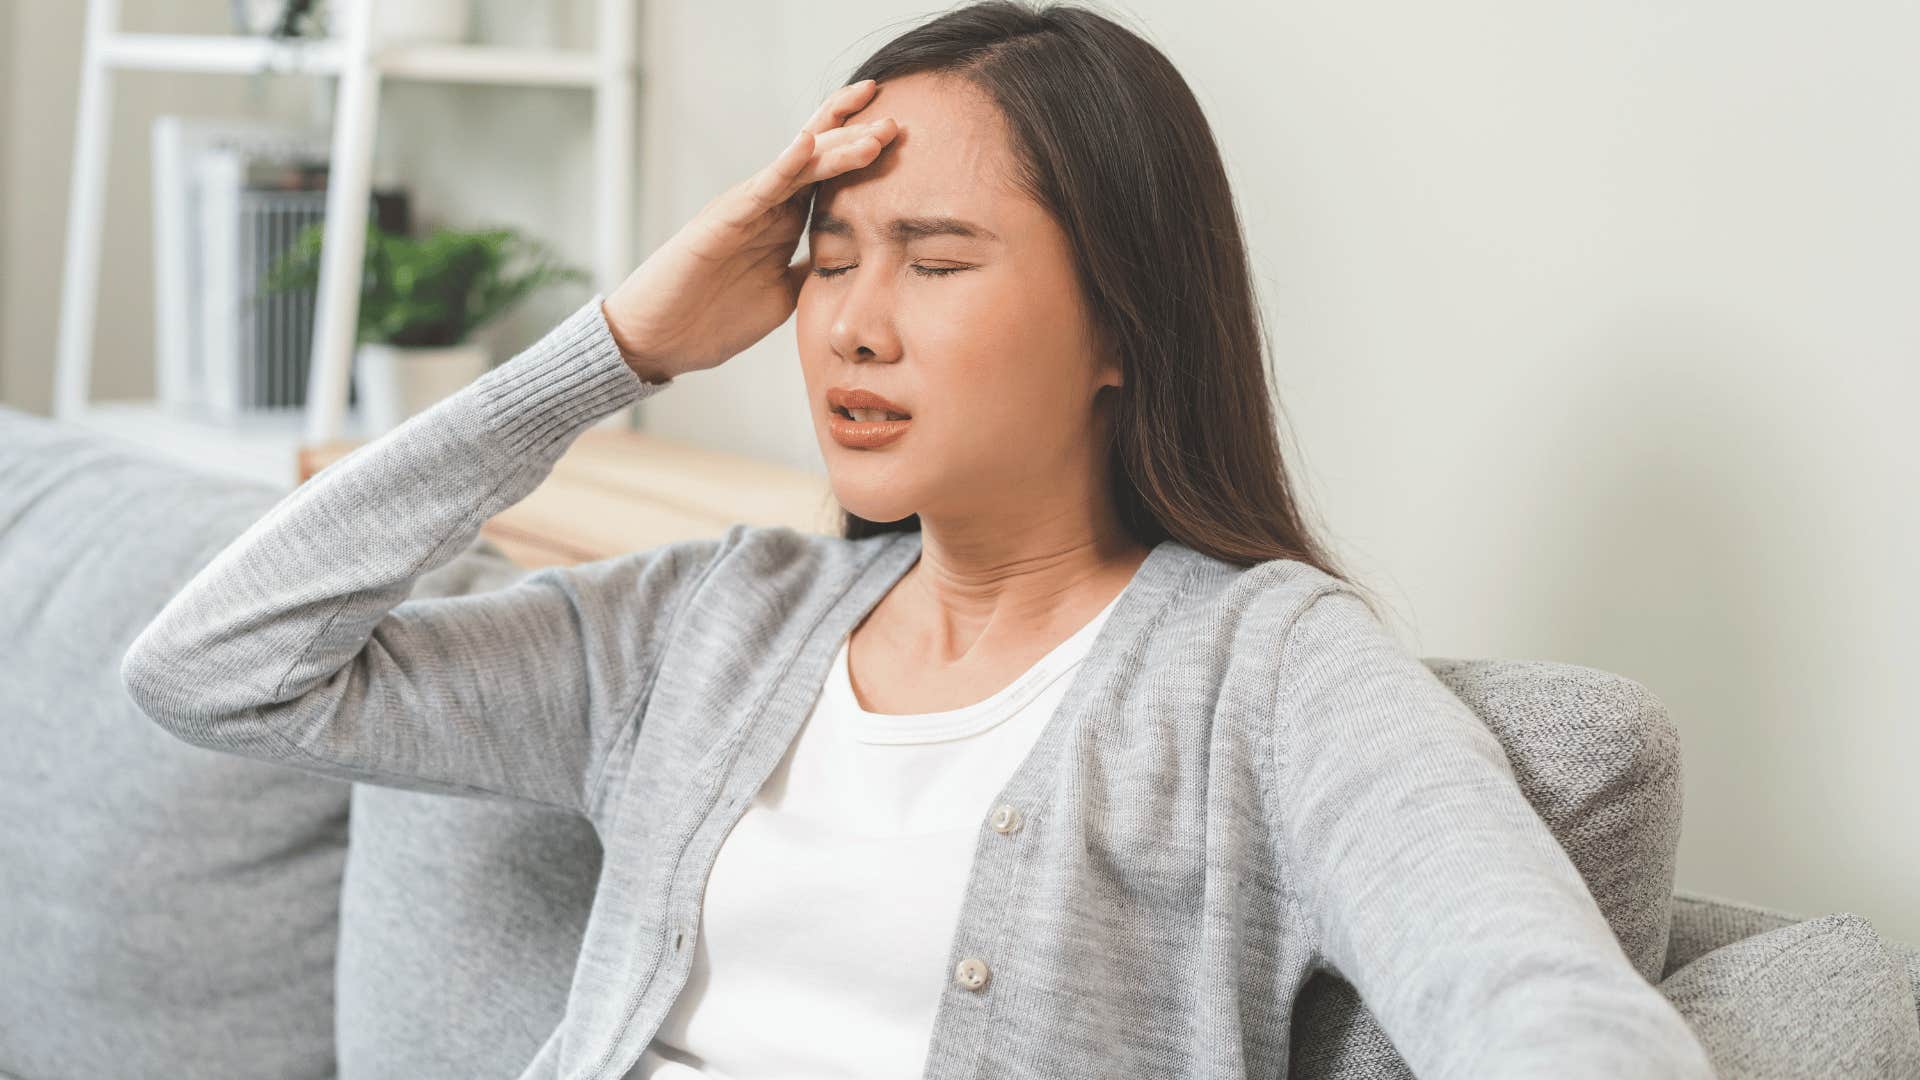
1072 757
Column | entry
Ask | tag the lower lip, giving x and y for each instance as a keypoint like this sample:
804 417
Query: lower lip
865 434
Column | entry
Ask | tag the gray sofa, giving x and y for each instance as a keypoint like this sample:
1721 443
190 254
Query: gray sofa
168 911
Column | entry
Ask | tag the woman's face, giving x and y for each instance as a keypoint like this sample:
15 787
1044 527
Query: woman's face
983 339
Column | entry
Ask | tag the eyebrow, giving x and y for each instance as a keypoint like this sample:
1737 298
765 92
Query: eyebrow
901 230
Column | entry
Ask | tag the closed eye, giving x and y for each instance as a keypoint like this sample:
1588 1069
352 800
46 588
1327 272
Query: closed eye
923 271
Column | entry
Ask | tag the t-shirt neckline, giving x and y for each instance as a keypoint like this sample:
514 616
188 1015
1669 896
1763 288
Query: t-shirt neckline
899 729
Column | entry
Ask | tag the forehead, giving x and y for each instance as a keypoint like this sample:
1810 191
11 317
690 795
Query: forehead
950 156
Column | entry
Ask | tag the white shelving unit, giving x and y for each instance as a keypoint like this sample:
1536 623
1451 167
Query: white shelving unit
265 448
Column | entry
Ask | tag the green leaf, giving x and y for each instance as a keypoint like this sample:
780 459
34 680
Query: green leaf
436 290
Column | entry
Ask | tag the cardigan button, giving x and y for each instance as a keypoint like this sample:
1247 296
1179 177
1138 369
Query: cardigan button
1005 819
971 973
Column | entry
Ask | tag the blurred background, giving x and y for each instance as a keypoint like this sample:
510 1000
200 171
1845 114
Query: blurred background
1597 325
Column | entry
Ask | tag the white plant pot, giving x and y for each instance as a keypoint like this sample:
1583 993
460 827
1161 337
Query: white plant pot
257 17
524 24
400 22
393 382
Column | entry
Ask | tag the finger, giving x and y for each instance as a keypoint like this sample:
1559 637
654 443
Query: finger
834 138
833 153
839 105
855 152
781 177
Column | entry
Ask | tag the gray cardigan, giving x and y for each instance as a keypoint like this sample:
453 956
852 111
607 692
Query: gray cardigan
1248 778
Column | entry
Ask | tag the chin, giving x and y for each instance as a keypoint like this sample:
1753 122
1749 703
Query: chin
880 506
881 512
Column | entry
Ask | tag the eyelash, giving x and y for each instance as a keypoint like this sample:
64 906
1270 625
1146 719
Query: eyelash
923 271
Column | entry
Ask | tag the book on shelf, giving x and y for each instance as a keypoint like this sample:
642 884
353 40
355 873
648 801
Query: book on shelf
231 197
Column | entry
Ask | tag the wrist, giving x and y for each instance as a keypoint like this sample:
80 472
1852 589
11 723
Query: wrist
649 373
649 369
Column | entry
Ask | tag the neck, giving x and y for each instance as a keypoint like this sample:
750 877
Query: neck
1000 589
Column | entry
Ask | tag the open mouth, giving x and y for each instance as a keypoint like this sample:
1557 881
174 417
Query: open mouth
859 428
869 415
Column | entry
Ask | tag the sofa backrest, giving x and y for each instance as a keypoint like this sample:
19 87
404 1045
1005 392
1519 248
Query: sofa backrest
173 911
167 910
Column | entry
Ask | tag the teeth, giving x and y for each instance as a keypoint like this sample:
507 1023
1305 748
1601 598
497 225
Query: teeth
865 415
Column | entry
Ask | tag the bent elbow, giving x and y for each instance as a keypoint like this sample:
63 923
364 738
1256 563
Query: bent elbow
147 686
198 699
156 686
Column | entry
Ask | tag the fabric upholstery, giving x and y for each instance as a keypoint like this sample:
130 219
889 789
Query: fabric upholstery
1820 998
184 918
1703 923
1599 759
166 910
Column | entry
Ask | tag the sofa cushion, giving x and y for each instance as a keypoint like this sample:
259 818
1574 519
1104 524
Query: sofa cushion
167 910
461 919
1597 756
1822 997
1703 923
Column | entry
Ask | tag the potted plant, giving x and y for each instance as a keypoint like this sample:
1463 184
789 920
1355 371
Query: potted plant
395 22
280 19
420 300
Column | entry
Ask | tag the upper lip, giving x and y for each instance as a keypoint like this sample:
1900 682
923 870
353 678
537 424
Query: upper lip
842 398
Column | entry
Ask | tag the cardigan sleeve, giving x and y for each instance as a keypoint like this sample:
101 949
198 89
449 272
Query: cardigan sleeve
297 644
1434 887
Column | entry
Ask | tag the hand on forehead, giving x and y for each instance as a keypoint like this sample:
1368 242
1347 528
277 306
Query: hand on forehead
949 140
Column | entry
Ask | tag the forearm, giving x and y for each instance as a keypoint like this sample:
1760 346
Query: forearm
246 656
1575 1012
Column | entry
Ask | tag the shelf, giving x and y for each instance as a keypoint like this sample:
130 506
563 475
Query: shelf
217 53
489 64
267 447
456 63
261 447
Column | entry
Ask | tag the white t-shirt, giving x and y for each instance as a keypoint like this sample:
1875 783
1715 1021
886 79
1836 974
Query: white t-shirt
829 914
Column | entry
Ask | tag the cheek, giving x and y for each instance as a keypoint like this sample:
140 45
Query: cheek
805 310
810 330
1017 342
978 322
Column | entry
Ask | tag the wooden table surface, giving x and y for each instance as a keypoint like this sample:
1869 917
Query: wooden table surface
616 491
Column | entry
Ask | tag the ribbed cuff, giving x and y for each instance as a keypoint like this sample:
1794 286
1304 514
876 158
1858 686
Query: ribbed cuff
560 385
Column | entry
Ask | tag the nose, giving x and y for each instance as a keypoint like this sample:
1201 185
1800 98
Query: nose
863 327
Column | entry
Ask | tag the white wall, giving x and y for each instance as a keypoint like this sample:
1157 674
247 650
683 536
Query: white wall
8 69
1595 324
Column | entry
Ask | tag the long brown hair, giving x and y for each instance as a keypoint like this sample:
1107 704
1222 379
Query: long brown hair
1109 139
